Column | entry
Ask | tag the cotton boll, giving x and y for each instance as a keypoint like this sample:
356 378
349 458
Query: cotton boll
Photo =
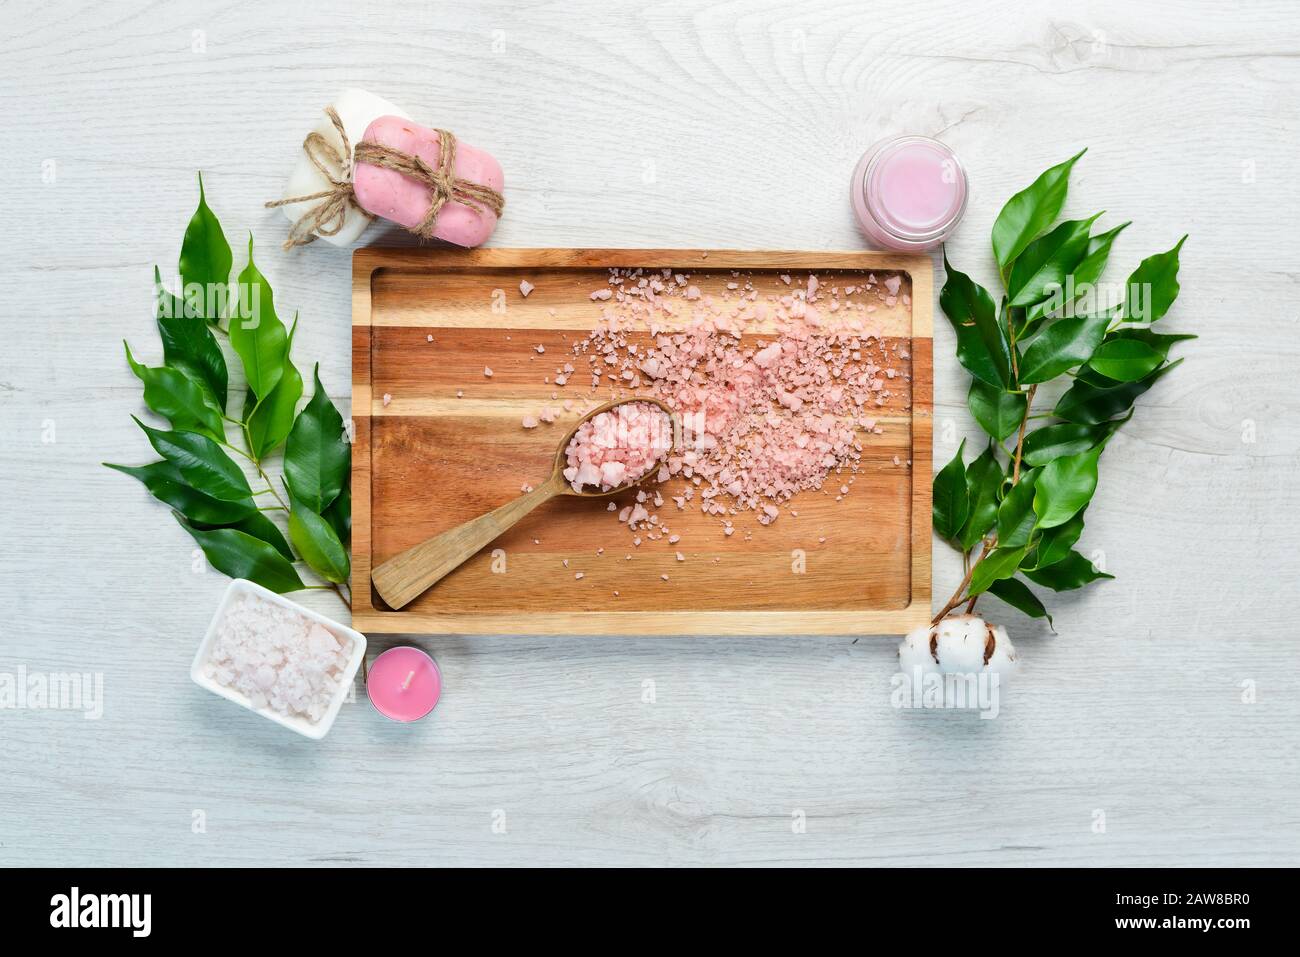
914 652
1004 659
961 644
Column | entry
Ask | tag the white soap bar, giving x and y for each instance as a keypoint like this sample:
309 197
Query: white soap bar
357 109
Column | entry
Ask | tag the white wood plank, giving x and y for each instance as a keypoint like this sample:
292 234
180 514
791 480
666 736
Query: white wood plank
669 124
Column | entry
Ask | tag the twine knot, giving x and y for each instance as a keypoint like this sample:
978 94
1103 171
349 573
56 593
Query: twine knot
327 217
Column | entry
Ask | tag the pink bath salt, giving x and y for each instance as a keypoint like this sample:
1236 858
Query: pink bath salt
600 294
892 284
529 422
618 447
487 372
388 397
390 194
525 287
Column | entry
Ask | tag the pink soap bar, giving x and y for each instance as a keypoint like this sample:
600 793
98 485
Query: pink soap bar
405 201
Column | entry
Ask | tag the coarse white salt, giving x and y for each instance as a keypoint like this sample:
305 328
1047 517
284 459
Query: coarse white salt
280 660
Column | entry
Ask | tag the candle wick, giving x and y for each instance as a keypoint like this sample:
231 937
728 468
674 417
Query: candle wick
407 683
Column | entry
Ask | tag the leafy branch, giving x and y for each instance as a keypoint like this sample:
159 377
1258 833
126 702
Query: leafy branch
208 491
1017 513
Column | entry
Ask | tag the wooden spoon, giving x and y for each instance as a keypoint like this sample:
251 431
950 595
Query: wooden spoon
406 576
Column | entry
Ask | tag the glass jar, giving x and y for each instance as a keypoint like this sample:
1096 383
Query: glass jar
909 193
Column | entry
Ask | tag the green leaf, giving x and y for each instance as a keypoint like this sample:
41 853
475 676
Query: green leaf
1125 360
272 418
201 462
256 333
317 542
1055 543
1065 486
189 345
1072 571
1161 342
240 555
950 503
984 479
339 515
165 483
998 564
317 455
999 413
178 398
980 347
1053 441
1096 255
1047 261
205 261
1153 286
1079 285
1017 594
258 526
1063 345
1031 211
1016 518
1088 404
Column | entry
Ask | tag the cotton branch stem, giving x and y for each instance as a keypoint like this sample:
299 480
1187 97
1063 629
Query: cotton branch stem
990 543
1020 439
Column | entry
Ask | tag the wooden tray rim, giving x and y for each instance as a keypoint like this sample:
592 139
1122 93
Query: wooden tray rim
368 261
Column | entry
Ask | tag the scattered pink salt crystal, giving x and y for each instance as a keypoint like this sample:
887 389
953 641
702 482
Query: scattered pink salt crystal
540 348
681 557
892 284
579 575
525 287
387 399
487 372
529 422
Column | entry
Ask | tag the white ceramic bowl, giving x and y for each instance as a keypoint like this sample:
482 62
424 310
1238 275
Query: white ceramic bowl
316 730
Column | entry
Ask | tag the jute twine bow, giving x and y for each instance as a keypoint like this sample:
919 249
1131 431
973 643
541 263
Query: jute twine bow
327 217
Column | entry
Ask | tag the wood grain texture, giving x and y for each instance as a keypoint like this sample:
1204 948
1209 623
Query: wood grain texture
640 125
445 445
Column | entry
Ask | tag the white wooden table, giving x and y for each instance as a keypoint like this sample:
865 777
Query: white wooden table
663 124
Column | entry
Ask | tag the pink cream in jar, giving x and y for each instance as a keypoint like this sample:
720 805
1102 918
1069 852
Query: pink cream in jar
909 193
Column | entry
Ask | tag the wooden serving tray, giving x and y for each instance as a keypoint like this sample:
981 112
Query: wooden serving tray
430 459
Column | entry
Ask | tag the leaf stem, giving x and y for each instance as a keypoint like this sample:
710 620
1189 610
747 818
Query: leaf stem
990 543
1020 439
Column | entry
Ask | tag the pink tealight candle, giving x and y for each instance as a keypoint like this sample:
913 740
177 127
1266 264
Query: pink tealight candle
909 193
404 684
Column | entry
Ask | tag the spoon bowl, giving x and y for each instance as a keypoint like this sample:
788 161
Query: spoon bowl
561 454
406 576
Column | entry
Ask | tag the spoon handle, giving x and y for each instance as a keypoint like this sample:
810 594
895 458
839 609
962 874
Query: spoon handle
406 576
